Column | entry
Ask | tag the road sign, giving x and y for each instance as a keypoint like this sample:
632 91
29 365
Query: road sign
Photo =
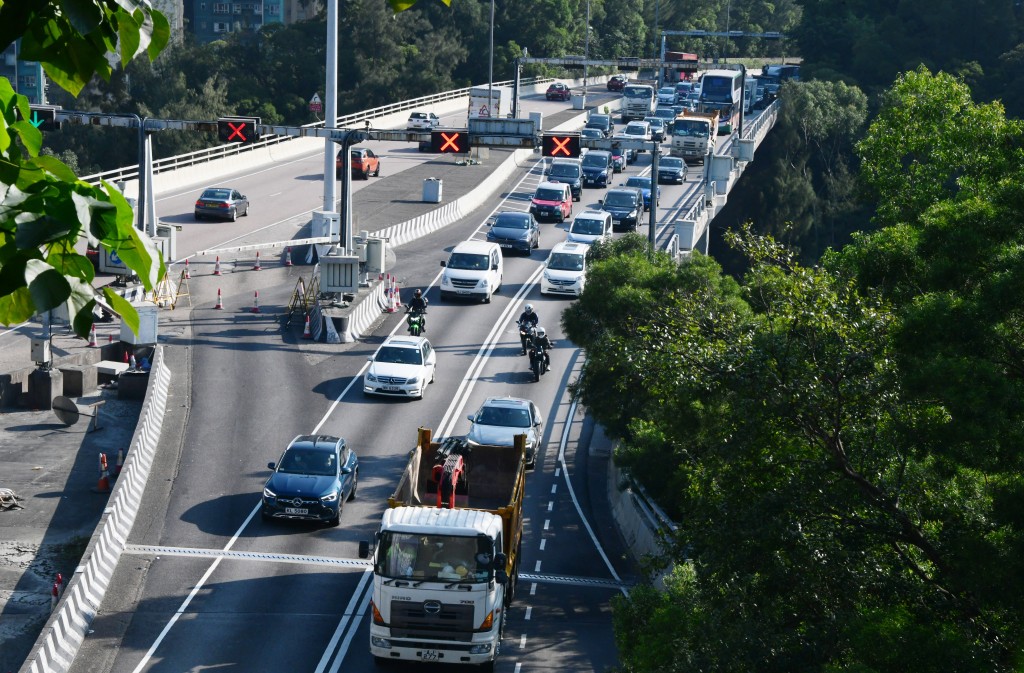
449 142
484 111
560 145
44 117
238 129
315 104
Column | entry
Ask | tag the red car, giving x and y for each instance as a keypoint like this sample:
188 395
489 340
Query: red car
557 91
617 83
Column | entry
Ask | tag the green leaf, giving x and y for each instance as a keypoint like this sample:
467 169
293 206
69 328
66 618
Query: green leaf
123 308
55 167
16 306
131 37
160 36
48 287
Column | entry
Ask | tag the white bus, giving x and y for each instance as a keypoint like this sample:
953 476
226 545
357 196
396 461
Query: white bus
722 91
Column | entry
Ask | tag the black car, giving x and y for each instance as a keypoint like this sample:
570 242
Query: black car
568 172
626 204
515 231
601 122
671 170
597 168
312 480
669 116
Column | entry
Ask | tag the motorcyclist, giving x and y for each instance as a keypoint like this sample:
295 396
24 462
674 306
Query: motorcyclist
541 339
527 319
418 306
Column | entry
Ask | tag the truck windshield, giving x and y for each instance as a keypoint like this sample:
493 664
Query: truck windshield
638 92
691 129
468 262
439 558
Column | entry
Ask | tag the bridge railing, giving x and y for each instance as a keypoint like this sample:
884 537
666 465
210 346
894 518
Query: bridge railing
209 154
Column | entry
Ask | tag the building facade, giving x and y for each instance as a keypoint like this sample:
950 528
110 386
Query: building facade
27 77
210 20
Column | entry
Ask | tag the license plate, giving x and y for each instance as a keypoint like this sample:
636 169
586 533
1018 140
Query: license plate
391 389
295 510
505 245
428 655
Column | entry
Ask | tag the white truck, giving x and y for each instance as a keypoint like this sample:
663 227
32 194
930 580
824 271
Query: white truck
496 105
447 553
693 135
638 101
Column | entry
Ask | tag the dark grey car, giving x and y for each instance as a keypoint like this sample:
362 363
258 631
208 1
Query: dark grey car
515 231
222 203
626 204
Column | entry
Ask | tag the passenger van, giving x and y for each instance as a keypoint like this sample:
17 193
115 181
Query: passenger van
590 226
565 271
569 172
473 270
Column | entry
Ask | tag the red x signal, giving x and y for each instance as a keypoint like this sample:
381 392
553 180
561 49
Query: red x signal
560 145
238 129
449 142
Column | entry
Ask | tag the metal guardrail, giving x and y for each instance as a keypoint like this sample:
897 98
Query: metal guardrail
766 118
220 151
654 517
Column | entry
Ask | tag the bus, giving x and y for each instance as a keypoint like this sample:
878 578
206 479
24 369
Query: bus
722 91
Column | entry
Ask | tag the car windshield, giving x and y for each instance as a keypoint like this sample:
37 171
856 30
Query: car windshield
636 130
222 194
590 133
598 122
587 226
690 128
506 417
667 91
595 160
399 356
655 121
665 114
298 460
671 162
565 171
562 261
643 183
620 199
512 222
549 195
440 558
468 262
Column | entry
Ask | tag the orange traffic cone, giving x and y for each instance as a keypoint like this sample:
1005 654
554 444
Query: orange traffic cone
188 276
126 357
92 337
306 333
119 464
256 302
103 485
54 595
287 256
256 266
220 303
216 266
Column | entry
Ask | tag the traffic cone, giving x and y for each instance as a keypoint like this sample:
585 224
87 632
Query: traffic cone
126 356
54 596
256 302
256 266
60 585
119 464
389 291
287 256
306 333
216 266
188 276
92 337
220 304
397 297
103 485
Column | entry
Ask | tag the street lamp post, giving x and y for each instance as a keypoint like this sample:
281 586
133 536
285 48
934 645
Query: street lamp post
490 70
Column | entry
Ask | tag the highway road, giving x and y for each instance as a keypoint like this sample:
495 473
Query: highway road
207 586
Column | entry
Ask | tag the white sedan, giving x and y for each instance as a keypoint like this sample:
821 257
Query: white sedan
403 366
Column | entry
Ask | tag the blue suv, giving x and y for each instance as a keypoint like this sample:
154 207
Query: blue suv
597 167
311 481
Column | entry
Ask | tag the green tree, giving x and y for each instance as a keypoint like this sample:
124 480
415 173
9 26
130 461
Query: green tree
44 209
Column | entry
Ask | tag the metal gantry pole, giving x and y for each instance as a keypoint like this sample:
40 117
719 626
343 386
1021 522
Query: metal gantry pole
586 53
331 106
653 222
490 69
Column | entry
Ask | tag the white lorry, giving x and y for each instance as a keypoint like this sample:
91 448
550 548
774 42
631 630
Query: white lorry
638 101
447 553
693 135
496 105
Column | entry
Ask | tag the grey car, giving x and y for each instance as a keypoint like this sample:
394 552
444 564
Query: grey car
500 419
515 231
221 203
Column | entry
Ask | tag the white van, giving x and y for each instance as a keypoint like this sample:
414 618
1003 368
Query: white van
590 226
474 270
565 271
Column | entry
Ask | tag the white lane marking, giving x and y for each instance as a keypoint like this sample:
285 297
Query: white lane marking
551 505
543 542
533 589
572 494
352 631
558 472
346 617
554 489
192 594
519 667
529 611
536 568
547 522
522 642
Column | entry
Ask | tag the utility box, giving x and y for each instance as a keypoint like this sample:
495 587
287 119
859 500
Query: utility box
148 320
538 119
41 351
579 101
375 248
339 273
326 224
169 232
432 190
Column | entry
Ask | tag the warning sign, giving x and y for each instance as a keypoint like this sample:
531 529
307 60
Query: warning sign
483 112
315 104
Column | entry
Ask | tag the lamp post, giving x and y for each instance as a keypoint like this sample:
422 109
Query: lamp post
586 54
490 70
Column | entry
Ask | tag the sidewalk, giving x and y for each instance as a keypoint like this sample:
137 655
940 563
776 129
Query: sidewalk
53 469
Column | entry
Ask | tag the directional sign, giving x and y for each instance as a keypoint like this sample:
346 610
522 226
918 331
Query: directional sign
44 117
560 145
238 129
315 104
449 142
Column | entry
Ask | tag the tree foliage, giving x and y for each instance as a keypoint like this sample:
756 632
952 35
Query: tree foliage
44 209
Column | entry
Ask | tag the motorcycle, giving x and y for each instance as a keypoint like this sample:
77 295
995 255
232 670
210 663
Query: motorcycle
415 322
526 332
538 361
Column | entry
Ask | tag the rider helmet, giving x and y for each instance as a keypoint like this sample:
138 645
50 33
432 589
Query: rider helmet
419 292
541 332
529 309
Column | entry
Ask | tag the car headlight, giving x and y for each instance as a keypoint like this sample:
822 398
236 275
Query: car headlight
371 378
483 284
267 493
330 497
413 381
445 282
547 276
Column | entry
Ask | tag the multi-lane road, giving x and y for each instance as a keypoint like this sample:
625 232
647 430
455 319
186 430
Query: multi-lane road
207 586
